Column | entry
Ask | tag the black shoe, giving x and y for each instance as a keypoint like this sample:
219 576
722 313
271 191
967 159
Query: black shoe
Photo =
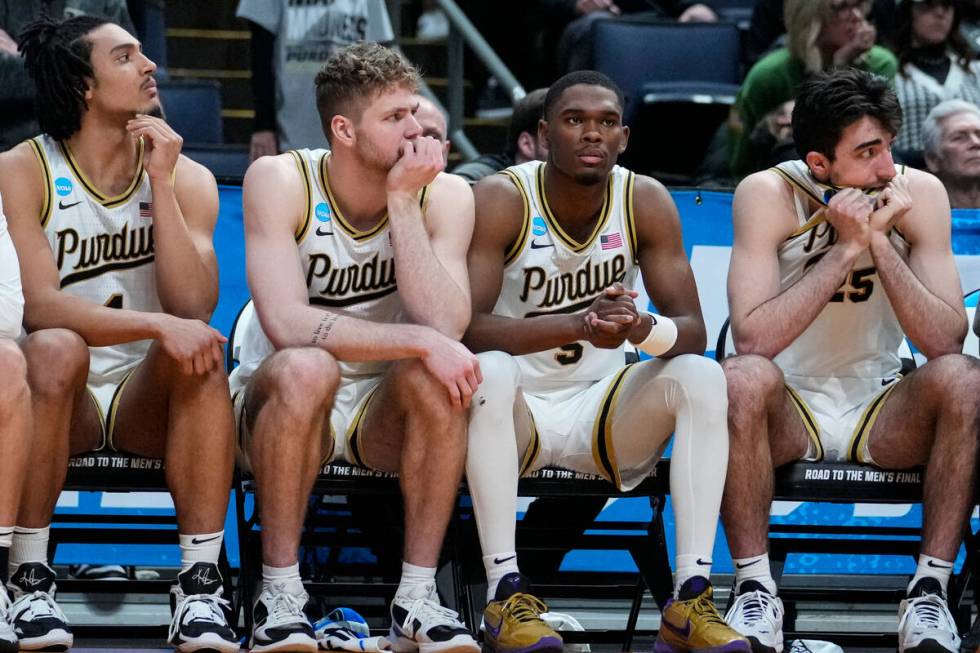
37 620
200 621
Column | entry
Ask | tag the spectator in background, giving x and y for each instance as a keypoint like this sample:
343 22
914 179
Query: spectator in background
522 141
768 25
821 34
433 121
577 16
935 64
951 137
290 42
970 24
17 121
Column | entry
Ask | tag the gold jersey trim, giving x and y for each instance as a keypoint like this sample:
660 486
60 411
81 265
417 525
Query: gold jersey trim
352 231
48 205
556 228
304 174
354 432
863 430
104 200
603 450
631 237
809 421
515 250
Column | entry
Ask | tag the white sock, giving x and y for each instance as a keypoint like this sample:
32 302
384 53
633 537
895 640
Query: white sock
413 576
286 575
932 568
204 547
755 568
28 545
492 466
689 566
498 565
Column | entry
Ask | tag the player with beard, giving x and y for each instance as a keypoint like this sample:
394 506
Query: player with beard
556 246
357 266
836 258
114 232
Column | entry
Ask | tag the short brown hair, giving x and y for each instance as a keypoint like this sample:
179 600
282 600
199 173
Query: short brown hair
358 72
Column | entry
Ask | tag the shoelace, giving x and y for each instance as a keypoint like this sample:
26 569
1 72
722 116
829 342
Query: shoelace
425 610
755 606
706 608
929 611
207 607
39 604
524 607
286 607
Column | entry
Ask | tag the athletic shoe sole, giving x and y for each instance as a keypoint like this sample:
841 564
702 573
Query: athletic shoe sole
208 643
926 646
543 645
55 640
759 647
458 644
297 642
661 646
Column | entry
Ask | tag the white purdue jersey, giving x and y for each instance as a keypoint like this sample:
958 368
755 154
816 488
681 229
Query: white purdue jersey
102 246
857 333
347 271
548 272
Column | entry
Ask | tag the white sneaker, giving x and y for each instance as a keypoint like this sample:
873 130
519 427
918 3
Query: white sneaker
200 615
420 623
8 638
37 620
758 615
280 624
924 622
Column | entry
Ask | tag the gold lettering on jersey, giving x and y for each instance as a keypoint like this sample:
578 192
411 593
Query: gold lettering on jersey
85 253
586 282
820 237
355 278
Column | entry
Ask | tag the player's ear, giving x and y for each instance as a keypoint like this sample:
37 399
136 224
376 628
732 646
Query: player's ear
342 129
819 165
543 133
626 139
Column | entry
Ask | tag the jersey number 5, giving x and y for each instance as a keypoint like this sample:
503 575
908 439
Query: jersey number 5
569 354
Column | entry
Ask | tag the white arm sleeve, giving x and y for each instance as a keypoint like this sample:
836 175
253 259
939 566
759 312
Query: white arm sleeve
11 293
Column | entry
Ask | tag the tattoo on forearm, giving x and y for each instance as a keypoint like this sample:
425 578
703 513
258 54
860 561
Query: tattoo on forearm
322 330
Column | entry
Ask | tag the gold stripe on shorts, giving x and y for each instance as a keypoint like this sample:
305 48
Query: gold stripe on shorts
809 422
603 451
533 448
98 409
354 430
863 429
110 422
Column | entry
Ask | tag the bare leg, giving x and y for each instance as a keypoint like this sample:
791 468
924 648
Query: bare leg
765 431
412 427
287 408
66 419
931 418
186 420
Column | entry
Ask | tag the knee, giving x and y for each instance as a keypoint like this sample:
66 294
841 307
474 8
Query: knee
751 380
420 393
13 380
955 380
501 378
701 378
302 380
57 362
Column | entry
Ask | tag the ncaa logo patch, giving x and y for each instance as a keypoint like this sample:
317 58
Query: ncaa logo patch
322 212
538 226
63 186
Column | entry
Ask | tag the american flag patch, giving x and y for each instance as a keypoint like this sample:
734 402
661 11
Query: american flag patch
611 241
146 209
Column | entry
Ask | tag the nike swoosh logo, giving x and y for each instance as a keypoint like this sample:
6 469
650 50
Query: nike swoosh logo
683 632
321 232
935 566
500 561
886 382
704 563
747 564
494 630
63 206
534 245
194 540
